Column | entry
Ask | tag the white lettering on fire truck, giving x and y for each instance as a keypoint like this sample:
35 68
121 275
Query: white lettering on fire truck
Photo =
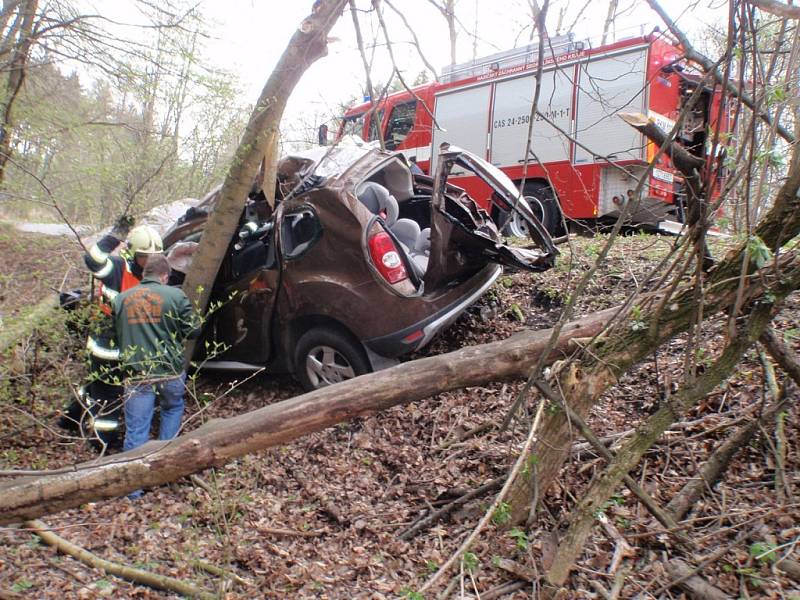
662 175
664 123
562 58
552 114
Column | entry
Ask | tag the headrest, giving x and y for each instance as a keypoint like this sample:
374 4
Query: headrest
378 201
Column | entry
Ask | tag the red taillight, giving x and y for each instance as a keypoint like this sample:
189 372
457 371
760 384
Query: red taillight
386 258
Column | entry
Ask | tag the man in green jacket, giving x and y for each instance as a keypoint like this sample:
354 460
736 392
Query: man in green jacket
152 321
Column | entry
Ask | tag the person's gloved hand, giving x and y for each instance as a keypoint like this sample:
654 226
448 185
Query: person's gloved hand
122 226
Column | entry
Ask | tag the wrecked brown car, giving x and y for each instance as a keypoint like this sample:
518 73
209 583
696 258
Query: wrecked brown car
359 263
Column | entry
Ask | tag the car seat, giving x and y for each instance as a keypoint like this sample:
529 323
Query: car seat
379 201
414 242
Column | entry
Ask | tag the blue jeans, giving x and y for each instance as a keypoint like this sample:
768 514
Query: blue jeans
139 408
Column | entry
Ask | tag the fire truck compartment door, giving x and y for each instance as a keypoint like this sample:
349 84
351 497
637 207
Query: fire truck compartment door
462 116
607 86
512 112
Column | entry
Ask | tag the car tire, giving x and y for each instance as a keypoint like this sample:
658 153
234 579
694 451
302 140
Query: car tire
542 202
325 356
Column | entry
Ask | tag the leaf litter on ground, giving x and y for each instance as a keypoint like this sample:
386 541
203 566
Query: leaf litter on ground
321 517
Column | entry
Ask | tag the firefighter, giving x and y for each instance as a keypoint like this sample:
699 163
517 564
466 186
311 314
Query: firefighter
97 411
152 321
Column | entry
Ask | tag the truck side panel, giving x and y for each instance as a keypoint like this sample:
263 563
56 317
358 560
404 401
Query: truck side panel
608 86
513 99
463 118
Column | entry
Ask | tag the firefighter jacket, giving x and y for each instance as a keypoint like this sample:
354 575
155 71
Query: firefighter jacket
152 321
116 274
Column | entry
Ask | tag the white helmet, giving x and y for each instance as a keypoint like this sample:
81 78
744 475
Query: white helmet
145 240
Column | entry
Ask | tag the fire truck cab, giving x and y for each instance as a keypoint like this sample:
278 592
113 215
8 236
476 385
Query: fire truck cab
584 162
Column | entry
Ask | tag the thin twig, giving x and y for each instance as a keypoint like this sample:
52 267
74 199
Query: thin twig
490 511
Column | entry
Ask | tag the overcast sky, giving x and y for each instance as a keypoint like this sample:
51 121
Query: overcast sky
248 37
251 34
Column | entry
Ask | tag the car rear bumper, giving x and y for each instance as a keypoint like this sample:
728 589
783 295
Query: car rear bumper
417 336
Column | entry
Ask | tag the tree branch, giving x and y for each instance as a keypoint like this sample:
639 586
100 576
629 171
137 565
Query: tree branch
777 8
159 582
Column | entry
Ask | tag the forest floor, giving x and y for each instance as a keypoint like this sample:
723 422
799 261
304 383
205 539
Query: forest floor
33 266
322 517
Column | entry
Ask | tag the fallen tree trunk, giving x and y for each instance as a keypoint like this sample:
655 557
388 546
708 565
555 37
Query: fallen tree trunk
694 585
220 441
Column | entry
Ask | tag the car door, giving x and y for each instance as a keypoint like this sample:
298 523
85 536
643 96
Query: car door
462 233
246 299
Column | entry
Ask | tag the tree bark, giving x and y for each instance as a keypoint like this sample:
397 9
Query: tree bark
308 44
694 585
777 8
783 355
221 441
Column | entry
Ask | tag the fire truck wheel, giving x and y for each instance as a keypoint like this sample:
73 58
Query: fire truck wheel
543 203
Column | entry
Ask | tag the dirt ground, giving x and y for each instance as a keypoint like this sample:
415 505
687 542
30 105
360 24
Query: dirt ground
322 517
33 266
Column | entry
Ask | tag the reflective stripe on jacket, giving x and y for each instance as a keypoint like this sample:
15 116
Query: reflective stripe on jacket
98 349
115 273
127 281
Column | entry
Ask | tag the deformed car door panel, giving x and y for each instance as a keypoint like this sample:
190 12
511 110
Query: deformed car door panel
243 324
463 236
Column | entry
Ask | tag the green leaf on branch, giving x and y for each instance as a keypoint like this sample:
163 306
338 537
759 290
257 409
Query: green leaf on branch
763 552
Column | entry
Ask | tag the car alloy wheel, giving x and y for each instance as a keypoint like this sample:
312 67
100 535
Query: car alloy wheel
327 355
326 366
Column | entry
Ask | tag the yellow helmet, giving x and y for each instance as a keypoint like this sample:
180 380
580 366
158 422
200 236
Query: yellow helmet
145 240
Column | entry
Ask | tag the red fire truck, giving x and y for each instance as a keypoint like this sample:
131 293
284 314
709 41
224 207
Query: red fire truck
578 141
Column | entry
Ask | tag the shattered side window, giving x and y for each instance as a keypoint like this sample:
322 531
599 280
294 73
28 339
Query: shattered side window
300 230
